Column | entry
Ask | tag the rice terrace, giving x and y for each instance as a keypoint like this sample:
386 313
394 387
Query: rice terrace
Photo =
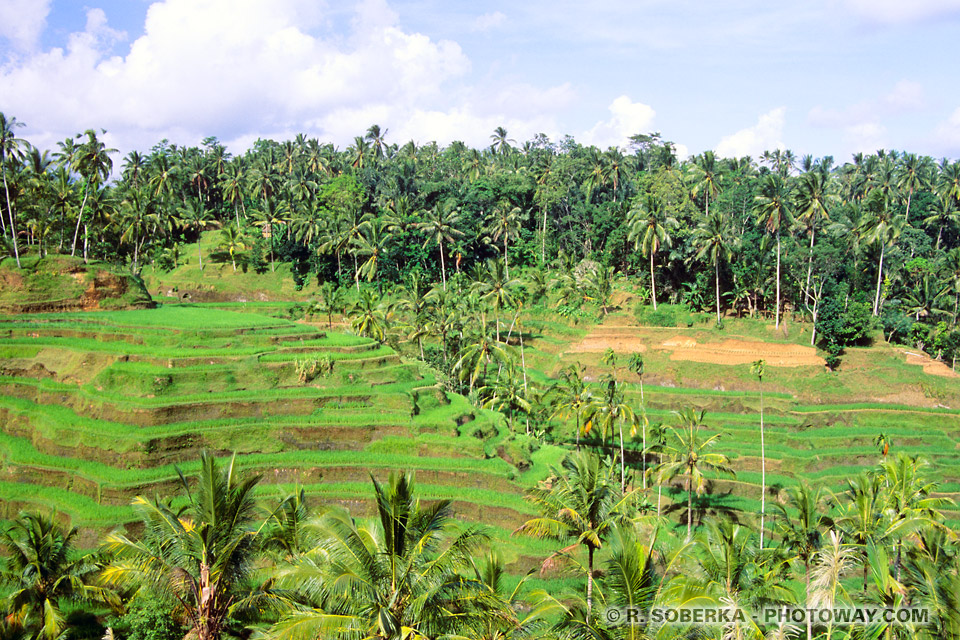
401 389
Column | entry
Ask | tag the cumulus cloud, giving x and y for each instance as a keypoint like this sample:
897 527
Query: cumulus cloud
765 135
22 21
900 11
905 96
948 131
489 21
866 137
242 69
627 118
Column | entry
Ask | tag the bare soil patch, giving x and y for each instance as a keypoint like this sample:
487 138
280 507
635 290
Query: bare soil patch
931 366
742 352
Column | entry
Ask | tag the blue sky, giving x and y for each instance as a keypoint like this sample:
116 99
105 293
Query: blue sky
741 76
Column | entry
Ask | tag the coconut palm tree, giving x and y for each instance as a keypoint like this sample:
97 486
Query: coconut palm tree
195 217
610 413
688 454
773 211
200 555
713 242
232 240
497 288
500 141
941 215
758 369
504 222
650 230
370 316
582 503
92 161
442 225
814 200
394 578
573 397
9 150
707 176
804 515
42 572
880 225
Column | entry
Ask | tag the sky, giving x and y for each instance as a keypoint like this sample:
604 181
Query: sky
824 77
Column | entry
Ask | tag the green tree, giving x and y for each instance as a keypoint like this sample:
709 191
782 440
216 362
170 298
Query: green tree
92 161
650 231
195 217
772 205
582 504
882 226
200 556
442 226
398 577
688 454
713 242
42 572
9 151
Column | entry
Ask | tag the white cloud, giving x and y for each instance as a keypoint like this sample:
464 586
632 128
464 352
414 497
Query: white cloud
489 21
905 96
627 118
242 69
949 131
22 21
900 11
752 141
865 136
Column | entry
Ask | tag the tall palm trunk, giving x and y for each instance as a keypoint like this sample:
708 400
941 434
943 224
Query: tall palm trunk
876 300
806 287
653 283
443 266
543 239
763 471
623 463
83 204
13 227
506 263
689 504
716 268
778 279
589 580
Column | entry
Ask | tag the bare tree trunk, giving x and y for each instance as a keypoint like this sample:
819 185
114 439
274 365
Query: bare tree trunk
76 231
443 266
806 287
13 227
653 284
876 300
778 280
716 267
763 471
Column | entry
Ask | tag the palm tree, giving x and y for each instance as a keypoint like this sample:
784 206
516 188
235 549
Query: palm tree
865 520
507 394
200 555
504 221
371 243
376 137
757 369
688 455
910 500
195 217
9 150
582 503
610 412
501 143
42 571
712 241
942 214
92 161
804 514
574 397
882 226
440 226
331 301
370 316
636 365
478 353
650 230
393 578
706 175
773 211
914 175
497 288
232 240
814 199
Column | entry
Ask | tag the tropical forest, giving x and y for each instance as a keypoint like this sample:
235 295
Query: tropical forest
536 389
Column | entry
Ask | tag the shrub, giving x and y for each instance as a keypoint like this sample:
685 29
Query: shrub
666 315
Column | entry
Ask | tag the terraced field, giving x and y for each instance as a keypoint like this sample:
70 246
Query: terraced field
98 407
